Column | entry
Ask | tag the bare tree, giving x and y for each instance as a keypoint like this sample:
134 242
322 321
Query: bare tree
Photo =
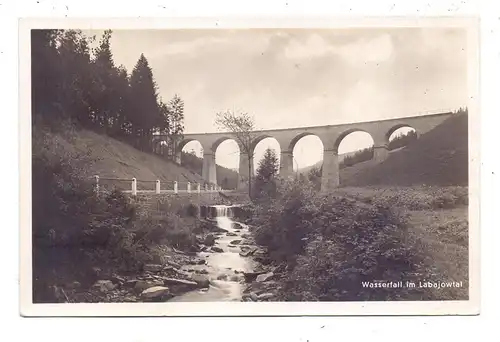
242 126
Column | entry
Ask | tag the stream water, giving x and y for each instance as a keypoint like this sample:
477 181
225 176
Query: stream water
223 269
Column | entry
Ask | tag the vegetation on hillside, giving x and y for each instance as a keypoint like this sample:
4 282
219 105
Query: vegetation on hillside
72 81
80 236
439 158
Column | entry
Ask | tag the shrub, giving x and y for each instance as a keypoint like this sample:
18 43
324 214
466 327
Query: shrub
283 223
352 244
333 244
74 231
192 210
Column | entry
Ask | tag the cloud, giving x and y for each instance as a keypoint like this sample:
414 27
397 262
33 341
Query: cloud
361 51
375 50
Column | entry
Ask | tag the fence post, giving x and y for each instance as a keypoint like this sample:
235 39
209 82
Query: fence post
189 187
134 186
176 189
96 177
199 187
158 186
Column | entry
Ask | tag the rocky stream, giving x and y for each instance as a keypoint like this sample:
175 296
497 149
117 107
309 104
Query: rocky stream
229 266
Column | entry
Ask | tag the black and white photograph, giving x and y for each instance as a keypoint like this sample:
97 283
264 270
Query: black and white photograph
242 170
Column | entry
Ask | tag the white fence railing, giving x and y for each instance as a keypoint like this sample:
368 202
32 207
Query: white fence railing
158 187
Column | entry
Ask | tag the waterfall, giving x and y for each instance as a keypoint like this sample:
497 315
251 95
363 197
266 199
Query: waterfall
223 211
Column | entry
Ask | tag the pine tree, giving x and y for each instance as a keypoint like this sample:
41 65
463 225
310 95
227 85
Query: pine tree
75 97
45 75
266 173
145 113
105 96
176 121
176 106
122 126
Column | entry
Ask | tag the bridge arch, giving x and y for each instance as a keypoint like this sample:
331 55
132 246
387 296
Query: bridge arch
186 141
296 139
307 153
350 132
260 145
401 135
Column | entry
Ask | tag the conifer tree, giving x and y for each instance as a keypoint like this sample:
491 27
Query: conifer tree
266 173
145 113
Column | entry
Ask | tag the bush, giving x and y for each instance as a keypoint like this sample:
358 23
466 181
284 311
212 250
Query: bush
334 244
74 231
283 223
192 210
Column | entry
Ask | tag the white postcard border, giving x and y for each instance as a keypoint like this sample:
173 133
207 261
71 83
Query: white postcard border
27 308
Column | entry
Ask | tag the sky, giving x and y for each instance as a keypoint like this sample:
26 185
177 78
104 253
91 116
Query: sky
302 77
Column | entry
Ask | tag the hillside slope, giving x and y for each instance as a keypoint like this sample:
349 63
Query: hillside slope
111 158
439 157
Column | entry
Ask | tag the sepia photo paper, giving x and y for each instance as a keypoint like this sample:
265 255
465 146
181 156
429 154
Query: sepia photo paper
249 167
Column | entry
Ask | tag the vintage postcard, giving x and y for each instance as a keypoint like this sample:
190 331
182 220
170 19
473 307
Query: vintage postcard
221 167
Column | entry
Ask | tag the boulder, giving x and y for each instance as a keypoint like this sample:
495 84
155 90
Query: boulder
222 277
234 277
266 296
180 282
217 249
156 293
202 281
246 298
201 262
235 242
254 296
209 240
153 267
245 253
104 285
263 277
251 276
231 234
195 261
142 285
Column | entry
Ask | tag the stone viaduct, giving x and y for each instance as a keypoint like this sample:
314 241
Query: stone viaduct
331 137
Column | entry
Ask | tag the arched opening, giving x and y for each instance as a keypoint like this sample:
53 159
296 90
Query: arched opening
307 157
401 136
261 145
192 156
353 147
227 159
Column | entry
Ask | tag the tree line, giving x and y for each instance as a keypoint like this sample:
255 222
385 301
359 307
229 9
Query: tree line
73 81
